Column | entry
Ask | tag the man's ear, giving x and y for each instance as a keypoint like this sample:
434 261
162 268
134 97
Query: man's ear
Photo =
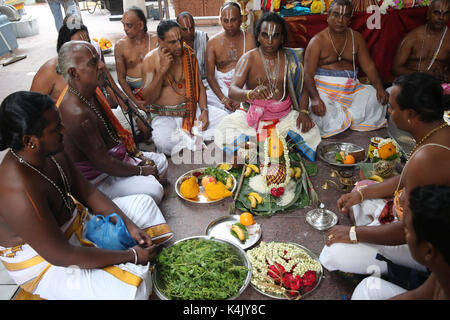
430 254
73 73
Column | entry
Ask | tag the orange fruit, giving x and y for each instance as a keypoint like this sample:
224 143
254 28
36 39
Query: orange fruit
349 159
387 150
275 146
246 219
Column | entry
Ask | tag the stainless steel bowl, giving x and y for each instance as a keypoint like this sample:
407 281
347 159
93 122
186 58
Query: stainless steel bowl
328 151
158 284
200 199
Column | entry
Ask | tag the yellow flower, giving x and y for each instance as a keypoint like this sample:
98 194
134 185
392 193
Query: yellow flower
317 6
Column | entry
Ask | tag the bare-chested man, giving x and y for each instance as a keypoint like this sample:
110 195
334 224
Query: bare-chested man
427 48
130 51
338 100
196 39
101 148
42 229
175 94
261 78
222 54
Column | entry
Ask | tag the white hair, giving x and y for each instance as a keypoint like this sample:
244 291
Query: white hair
66 59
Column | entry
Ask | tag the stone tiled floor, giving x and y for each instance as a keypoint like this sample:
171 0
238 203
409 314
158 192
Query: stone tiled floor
184 218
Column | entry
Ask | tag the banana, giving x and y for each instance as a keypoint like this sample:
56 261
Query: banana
291 172
247 172
254 167
298 172
225 166
258 198
229 184
342 153
239 232
376 178
253 201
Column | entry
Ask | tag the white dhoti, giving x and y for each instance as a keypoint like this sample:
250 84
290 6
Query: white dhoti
361 258
115 187
170 138
349 104
375 288
235 126
224 81
124 119
119 282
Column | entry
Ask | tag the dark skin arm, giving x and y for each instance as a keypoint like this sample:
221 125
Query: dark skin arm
393 233
82 125
30 216
152 87
312 55
401 57
369 68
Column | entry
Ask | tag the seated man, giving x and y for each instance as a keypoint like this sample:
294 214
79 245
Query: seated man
130 51
376 240
338 100
175 93
101 148
195 39
427 48
426 220
42 241
263 71
222 53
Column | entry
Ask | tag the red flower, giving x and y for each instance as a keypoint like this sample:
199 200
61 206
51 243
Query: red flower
277 192
309 279
276 271
292 283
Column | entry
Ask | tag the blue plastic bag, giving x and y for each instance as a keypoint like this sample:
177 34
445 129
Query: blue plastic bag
107 235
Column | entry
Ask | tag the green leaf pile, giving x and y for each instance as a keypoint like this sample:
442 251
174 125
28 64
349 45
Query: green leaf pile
200 269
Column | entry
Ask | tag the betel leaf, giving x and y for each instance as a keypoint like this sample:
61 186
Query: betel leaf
338 157
244 230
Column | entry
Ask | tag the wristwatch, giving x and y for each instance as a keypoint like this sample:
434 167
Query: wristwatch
352 235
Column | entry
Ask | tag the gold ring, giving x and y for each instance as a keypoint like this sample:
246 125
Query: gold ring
330 237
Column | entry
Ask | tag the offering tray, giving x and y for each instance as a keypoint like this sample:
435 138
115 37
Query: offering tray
201 198
327 153
319 273
159 285
220 228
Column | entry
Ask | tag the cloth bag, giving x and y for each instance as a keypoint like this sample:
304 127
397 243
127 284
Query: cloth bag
107 235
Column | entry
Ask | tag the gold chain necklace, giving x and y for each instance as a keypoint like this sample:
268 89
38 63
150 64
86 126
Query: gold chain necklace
427 136
111 133
332 43
66 183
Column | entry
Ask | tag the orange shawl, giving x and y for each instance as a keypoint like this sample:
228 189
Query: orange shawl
124 135
191 73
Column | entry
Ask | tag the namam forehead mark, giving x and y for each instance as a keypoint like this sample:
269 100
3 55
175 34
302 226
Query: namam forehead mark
341 9
270 27
173 34
186 22
229 12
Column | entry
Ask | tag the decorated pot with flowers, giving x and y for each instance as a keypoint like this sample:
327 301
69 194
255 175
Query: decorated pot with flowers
385 157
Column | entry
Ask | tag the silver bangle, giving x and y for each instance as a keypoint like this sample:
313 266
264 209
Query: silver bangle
135 255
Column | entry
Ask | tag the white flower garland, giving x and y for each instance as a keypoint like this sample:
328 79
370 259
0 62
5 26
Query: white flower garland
267 254
267 161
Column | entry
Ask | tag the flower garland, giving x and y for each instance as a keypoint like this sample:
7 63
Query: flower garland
400 4
282 268
267 162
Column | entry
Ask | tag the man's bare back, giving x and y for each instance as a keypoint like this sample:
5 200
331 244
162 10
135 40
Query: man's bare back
47 81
